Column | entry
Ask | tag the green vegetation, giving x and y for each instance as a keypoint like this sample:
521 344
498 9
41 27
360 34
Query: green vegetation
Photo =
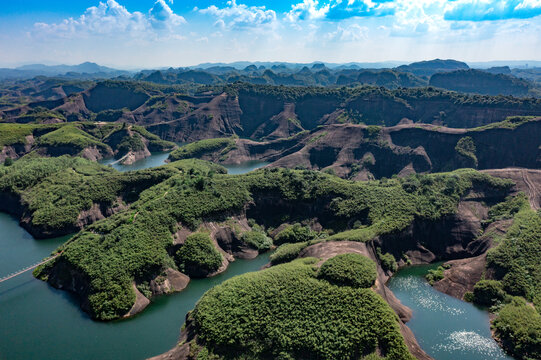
198 255
137 242
349 270
435 275
57 190
508 208
295 233
488 292
511 122
518 326
516 265
11 134
40 115
466 147
516 260
286 312
154 141
109 115
70 136
130 143
287 252
203 147
257 239
438 195
388 262
372 131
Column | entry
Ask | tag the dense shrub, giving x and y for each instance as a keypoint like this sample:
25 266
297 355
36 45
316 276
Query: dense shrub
71 136
202 147
508 208
349 269
488 292
387 260
57 190
435 275
198 256
286 312
136 241
287 252
516 259
257 239
466 147
518 326
294 234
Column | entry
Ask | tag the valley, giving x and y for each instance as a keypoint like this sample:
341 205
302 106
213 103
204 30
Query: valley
155 191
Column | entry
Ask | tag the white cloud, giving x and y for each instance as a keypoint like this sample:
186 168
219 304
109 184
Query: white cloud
307 10
161 16
112 19
337 10
240 16
350 33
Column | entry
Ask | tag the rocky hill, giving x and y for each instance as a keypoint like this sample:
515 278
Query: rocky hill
482 82
90 140
367 152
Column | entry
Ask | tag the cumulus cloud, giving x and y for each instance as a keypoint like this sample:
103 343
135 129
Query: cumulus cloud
307 10
112 19
240 16
340 9
350 33
485 10
161 16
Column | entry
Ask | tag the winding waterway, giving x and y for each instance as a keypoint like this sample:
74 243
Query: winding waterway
159 158
40 322
445 327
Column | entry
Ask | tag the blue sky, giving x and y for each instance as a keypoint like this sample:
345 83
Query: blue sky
152 33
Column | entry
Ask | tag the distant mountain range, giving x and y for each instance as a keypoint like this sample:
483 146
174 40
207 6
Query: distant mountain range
84 70
446 74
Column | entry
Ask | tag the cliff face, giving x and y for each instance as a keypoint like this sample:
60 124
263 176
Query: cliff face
361 152
269 112
481 82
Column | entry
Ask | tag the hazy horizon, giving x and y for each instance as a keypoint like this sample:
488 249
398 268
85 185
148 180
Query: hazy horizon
136 34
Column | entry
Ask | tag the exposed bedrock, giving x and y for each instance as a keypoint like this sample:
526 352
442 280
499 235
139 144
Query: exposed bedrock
363 152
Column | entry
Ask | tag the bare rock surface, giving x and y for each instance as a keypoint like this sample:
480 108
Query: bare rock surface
141 302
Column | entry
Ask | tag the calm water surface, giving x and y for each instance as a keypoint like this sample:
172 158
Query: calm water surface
40 322
445 327
157 159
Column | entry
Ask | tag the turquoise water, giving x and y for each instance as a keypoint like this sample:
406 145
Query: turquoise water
157 159
245 167
445 327
40 322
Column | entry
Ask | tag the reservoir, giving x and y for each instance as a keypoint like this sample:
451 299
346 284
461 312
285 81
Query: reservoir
40 322
445 327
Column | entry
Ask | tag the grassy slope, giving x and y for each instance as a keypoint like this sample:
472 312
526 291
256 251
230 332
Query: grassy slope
286 312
